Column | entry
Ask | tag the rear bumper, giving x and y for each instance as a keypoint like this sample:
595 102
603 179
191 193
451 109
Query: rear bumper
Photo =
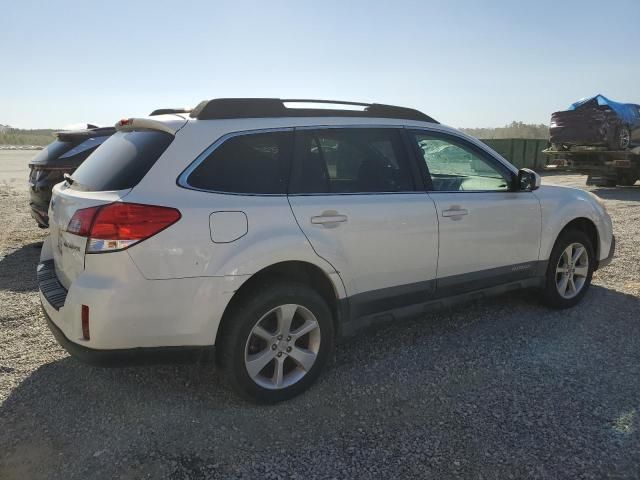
573 136
39 215
39 199
612 250
130 315
130 356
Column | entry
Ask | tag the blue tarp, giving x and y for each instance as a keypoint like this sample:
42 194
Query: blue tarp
628 112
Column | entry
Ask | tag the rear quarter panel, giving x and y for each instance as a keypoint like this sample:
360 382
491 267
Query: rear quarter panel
186 249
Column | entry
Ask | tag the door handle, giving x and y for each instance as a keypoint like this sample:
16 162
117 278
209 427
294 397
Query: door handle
455 212
330 218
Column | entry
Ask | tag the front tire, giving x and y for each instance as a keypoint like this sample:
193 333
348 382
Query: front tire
274 344
570 270
627 179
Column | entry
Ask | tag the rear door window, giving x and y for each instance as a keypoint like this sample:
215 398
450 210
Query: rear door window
121 161
350 160
252 163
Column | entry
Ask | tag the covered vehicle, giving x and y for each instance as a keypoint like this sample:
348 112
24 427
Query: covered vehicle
63 156
596 122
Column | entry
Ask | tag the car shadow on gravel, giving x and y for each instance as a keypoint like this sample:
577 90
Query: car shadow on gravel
18 268
493 369
629 194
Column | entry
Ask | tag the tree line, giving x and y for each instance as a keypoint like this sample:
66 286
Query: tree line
17 136
512 130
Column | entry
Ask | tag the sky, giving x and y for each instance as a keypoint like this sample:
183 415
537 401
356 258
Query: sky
466 63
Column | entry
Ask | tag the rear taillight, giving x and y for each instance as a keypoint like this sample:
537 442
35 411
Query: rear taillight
80 223
119 225
622 163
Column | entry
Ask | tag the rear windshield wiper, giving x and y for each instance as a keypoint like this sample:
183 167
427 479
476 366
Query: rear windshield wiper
68 178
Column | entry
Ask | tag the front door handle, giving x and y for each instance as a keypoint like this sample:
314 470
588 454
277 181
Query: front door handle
329 218
455 212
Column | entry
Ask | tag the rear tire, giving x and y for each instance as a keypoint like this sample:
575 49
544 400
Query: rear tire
622 139
627 179
255 331
570 265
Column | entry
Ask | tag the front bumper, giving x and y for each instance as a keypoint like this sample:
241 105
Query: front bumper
612 250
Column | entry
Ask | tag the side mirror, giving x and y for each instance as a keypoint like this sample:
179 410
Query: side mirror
528 180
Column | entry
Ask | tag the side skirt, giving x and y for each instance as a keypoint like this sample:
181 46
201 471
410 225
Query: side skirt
356 324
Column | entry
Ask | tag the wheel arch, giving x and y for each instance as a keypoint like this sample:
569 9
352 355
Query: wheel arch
292 270
587 226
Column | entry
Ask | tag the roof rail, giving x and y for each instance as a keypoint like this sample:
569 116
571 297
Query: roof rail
221 108
164 111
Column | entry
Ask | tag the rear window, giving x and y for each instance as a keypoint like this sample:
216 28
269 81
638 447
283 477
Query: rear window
88 144
121 161
52 151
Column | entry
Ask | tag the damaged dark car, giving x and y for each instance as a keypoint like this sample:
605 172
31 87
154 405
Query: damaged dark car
63 156
596 122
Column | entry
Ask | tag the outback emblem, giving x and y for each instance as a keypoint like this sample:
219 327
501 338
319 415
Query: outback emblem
518 268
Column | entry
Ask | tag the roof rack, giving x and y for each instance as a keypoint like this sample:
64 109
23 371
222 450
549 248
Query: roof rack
164 111
221 108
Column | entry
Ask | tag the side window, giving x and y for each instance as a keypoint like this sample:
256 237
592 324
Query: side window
454 166
350 160
252 163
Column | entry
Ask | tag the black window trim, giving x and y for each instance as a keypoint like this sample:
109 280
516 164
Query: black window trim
481 151
414 176
182 180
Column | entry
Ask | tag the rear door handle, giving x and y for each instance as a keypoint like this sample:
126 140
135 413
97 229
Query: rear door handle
455 211
329 218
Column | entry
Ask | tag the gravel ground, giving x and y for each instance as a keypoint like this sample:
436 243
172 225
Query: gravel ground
496 389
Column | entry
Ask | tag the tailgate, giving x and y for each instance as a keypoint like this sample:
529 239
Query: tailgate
69 249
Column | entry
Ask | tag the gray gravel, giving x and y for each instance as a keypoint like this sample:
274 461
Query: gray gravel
496 389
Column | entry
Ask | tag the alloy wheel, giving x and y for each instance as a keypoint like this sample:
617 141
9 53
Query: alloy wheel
282 346
572 270
624 138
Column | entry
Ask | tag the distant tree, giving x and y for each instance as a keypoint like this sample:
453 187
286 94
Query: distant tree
16 136
512 130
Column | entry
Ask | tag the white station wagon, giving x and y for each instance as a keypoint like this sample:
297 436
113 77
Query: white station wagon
269 228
